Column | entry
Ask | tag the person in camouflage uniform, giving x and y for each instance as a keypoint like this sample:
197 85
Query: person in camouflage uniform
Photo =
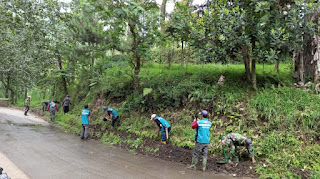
27 105
233 140
45 104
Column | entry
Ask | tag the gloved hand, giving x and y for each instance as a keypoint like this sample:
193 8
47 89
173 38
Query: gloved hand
105 119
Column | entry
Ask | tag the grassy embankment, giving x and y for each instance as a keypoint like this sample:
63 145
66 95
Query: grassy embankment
282 121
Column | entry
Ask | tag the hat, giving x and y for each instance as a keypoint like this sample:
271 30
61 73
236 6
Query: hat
29 96
204 112
105 108
153 116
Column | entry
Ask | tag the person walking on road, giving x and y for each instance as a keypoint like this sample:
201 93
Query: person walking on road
66 102
233 140
163 126
53 107
85 120
27 105
112 113
202 138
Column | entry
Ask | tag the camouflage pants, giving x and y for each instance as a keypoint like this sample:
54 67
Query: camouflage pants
52 114
26 110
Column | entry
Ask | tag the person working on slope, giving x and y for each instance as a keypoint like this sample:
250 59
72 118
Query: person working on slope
202 138
112 113
27 105
233 140
85 120
66 102
163 126
53 107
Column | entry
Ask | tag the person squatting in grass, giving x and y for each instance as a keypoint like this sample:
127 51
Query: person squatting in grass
85 120
162 125
233 140
112 113
202 138
27 105
53 107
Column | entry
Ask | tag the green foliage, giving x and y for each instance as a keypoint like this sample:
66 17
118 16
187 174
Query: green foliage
111 138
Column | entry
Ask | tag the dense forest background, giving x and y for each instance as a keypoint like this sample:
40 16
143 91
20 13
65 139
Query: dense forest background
135 57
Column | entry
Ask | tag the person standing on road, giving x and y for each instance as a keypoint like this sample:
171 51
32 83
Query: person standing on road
27 105
163 126
85 120
112 113
202 138
53 107
233 140
66 102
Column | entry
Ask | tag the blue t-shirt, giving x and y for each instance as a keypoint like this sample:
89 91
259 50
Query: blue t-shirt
85 113
164 123
114 113
203 132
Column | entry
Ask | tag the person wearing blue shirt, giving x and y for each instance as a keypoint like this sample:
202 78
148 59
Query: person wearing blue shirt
202 139
85 120
112 113
162 125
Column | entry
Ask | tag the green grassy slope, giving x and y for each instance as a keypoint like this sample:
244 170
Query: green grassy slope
282 121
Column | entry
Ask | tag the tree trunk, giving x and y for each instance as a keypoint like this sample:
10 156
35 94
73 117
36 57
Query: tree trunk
137 58
253 73
246 59
12 96
64 81
316 58
301 68
8 86
25 93
276 67
182 59
163 15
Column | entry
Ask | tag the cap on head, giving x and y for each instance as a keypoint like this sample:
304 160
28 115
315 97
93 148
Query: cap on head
105 108
153 116
204 112
86 106
68 95
248 141
29 96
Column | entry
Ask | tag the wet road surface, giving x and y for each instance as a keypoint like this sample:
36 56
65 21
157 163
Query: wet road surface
43 151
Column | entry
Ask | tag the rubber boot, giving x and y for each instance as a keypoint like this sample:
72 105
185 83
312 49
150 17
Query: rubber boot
193 165
204 164
236 159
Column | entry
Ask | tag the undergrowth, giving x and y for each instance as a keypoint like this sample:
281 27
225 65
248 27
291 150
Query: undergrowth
281 120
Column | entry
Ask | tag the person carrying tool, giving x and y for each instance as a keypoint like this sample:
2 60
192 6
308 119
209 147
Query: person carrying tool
85 120
202 138
163 126
27 105
112 113
233 140
66 102
53 109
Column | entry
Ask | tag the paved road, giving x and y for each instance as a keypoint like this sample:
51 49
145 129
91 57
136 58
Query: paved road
41 150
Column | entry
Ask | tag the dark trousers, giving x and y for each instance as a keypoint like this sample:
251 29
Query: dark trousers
114 120
164 135
65 109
